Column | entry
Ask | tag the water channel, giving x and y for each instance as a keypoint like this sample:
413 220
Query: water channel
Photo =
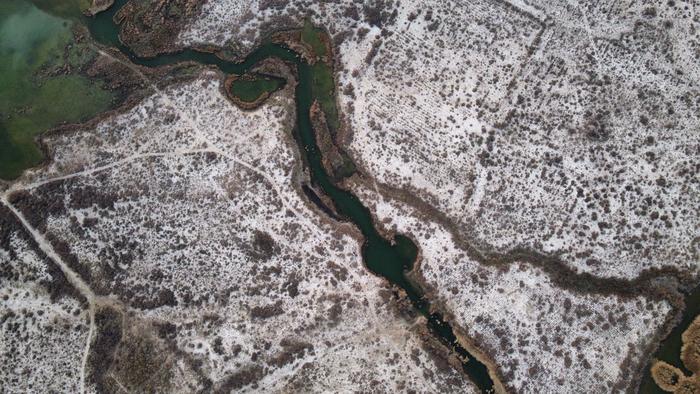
390 259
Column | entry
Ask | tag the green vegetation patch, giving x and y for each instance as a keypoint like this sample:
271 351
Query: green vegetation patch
313 37
36 92
323 90
322 84
347 169
250 89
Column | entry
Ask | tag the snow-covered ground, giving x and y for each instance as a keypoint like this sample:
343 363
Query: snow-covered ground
186 210
568 128
542 338
43 327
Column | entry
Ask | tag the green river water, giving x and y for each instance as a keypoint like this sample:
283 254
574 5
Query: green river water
390 259
30 37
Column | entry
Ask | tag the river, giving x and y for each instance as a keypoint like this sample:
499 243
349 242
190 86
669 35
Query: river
390 259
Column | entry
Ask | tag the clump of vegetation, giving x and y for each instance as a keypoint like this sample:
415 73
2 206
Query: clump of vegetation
127 354
666 375
149 27
690 352
245 376
108 333
141 364
264 246
672 379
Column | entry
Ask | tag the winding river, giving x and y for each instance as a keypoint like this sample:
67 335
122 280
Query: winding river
390 259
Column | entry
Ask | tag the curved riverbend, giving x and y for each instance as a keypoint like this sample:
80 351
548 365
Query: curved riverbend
670 348
390 259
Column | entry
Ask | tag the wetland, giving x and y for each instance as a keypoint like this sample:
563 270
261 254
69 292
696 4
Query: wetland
41 86
38 73
391 259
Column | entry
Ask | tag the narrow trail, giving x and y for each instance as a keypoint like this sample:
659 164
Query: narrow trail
199 135
389 257
73 278
591 37
86 352
29 186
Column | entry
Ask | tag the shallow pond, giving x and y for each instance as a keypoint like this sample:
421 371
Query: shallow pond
35 95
